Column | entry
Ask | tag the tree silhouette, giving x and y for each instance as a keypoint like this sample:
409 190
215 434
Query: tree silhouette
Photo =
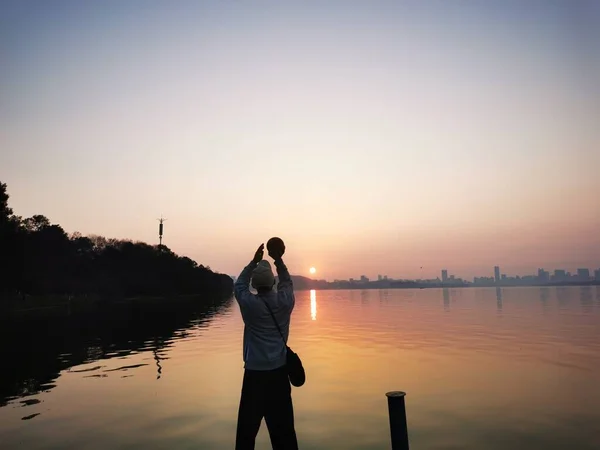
35 223
5 211
42 259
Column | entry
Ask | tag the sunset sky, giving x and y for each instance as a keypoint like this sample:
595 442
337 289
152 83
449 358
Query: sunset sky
374 137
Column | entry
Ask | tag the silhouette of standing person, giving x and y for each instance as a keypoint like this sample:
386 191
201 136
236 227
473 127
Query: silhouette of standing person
266 389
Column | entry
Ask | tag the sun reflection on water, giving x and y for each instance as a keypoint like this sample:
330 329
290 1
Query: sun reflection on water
313 304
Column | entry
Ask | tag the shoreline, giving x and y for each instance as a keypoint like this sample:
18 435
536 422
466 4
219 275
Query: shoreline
357 287
15 308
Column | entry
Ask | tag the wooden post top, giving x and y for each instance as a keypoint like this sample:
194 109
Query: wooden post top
395 394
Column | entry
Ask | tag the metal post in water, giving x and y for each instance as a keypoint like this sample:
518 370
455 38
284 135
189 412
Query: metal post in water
398 427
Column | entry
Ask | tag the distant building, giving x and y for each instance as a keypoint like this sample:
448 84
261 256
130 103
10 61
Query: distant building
543 276
497 274
483 281
444 276
504 278
559 275
597 274
364 279
385 277
583 274
379 277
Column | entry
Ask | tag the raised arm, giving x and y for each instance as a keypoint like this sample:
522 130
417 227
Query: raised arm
285 281
285 287
241 287
242 284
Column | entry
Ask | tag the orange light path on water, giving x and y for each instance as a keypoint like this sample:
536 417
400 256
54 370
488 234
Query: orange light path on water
313 304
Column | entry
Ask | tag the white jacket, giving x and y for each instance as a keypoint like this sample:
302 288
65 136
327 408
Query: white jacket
264 348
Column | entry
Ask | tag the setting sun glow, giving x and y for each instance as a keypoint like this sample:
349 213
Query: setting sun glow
312 270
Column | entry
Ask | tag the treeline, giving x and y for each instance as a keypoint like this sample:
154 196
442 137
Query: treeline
40 258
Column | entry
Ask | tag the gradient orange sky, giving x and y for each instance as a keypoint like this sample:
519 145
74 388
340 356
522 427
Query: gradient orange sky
374 137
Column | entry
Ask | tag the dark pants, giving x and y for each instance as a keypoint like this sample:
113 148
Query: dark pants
268 394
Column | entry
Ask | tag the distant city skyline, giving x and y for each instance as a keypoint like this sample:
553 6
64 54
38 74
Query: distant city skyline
497 276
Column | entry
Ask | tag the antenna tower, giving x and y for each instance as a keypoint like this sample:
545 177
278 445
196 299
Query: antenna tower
160 230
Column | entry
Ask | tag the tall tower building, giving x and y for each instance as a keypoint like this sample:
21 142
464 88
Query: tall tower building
444 275
497 274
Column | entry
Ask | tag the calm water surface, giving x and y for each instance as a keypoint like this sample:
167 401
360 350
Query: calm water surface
515 368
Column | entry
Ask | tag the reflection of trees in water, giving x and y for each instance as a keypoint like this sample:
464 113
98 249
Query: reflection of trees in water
158 351
34 353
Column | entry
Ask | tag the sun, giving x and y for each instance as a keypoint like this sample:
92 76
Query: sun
312 270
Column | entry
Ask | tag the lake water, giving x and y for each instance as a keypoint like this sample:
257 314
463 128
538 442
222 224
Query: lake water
517 368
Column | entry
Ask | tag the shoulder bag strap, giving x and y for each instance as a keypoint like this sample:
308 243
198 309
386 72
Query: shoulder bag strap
274 320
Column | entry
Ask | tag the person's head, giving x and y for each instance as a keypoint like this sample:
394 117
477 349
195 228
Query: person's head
263 279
